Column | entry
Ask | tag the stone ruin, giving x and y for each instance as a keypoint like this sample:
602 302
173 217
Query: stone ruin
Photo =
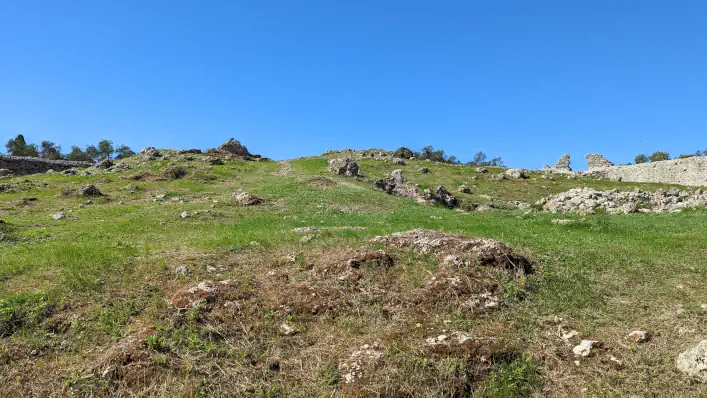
22 165
563 164
597 161
690 171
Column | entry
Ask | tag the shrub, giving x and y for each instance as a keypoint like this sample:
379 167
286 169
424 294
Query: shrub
404 153
658 156
174 172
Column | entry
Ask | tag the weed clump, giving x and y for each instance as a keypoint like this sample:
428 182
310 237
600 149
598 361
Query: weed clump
174 172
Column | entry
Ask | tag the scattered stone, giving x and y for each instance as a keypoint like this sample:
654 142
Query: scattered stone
307 230
287 330
184 214
204 292
693 361
639 336
6 173
423 170
344 167
482 170
464 189
181 270
307 238
247 199
566 336
497 177
354 367
617 362
399 161
588 201
562 221
58 216
516 173
584 349
482 251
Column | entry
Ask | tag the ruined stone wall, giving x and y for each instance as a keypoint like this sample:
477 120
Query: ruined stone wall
689 171
20 165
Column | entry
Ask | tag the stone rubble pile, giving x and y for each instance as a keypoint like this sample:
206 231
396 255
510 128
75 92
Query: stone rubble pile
588 201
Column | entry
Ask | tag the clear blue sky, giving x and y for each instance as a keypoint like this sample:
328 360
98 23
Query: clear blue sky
525 80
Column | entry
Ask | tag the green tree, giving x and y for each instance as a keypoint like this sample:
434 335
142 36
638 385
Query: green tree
124 151
479 159
496 162
92 152
105 149
49 150
78 154
19 147
641 159
404 153
657 156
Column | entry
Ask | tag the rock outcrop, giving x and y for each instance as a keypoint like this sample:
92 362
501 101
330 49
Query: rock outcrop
234 147
345 167
397 186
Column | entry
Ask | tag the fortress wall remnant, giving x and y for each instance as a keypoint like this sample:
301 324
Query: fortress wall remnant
21 165
690 171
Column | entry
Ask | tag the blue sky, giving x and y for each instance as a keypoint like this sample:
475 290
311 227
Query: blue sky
524 80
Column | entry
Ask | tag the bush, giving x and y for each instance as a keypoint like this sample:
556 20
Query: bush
658 156
404 153
174 172
641 159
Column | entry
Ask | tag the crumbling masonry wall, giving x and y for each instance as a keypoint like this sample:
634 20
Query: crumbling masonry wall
20 165
688 171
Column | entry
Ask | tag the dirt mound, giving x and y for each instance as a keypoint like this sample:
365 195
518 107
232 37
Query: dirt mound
479 251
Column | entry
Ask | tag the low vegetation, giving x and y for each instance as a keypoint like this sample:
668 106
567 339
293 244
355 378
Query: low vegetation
190 277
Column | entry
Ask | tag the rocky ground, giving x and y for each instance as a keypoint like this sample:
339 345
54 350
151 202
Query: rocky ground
355 273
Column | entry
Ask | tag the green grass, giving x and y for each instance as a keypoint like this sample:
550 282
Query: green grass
106 272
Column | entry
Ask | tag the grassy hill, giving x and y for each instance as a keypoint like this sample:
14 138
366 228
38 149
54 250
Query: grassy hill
128 295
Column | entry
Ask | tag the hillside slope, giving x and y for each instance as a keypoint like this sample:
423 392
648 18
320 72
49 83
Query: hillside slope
175 283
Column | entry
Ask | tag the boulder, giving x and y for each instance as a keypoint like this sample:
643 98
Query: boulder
150 152
89 190
515 173
423 170
464 189
247 199
482 170
693 361
234 147
344 167
104 164
445 197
